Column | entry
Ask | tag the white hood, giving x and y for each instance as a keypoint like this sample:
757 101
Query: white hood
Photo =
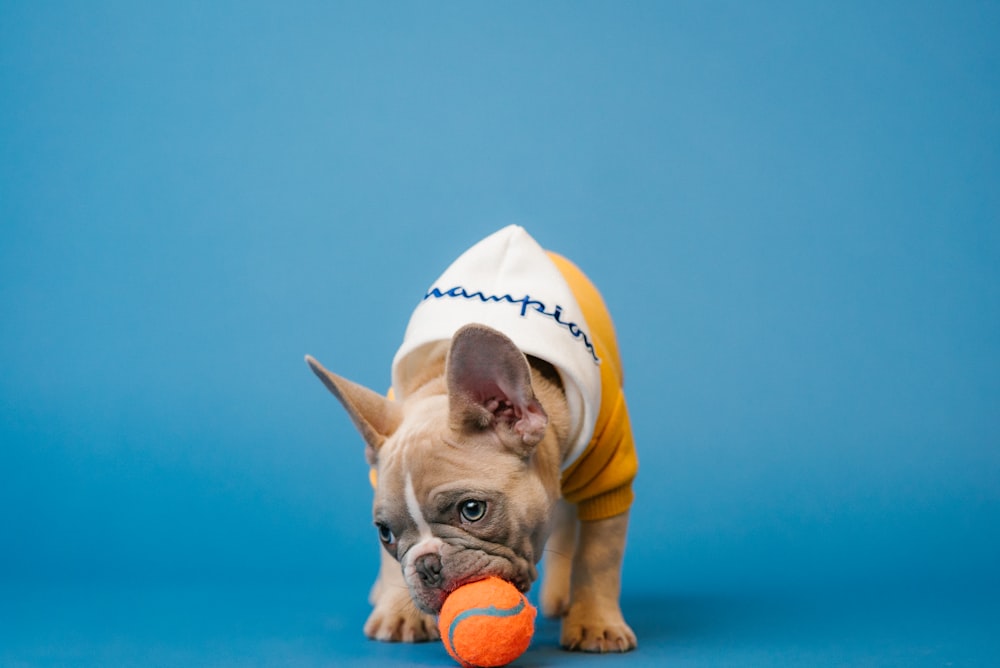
507 282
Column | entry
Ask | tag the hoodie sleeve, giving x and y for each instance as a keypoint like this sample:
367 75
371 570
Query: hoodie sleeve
600 480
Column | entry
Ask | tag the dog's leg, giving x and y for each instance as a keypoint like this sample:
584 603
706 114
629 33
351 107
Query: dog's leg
554 596
395 618
594 622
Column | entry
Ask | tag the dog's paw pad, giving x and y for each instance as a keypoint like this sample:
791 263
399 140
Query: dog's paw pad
599 638
401 627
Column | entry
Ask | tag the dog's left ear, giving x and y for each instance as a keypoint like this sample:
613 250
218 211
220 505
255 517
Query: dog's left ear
489 387
374 416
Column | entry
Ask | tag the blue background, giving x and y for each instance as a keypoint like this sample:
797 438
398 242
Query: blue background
792 209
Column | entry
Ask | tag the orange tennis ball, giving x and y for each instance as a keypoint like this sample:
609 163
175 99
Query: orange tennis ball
486 623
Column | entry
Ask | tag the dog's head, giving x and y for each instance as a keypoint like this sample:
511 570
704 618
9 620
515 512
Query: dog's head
463 490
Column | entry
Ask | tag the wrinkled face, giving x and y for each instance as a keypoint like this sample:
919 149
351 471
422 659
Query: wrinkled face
454 507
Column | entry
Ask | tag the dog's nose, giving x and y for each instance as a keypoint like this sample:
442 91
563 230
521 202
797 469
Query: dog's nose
428 567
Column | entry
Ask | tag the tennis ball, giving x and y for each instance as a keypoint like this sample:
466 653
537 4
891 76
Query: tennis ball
486 623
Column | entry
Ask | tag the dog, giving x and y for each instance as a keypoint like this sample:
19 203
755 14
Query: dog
505 436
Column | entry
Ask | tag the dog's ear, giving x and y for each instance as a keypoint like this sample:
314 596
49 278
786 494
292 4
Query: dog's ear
374 416
489 387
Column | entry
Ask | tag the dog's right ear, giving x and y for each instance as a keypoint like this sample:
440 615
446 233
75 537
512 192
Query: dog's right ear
372 414
489 387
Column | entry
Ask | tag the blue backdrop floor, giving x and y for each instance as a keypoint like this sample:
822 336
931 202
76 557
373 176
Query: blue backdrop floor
187 625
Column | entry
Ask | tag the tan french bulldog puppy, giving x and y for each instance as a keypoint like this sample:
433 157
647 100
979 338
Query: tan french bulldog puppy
471 457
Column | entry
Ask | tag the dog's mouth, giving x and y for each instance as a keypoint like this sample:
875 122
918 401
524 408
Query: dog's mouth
433 576
430 599
522 585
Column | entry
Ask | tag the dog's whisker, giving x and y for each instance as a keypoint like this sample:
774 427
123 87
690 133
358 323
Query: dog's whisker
559 553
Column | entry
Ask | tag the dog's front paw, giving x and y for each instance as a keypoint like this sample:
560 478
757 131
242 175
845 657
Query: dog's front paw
587 630
396 619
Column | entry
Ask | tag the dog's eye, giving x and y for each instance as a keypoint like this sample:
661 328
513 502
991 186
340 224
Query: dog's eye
385 534
472 510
